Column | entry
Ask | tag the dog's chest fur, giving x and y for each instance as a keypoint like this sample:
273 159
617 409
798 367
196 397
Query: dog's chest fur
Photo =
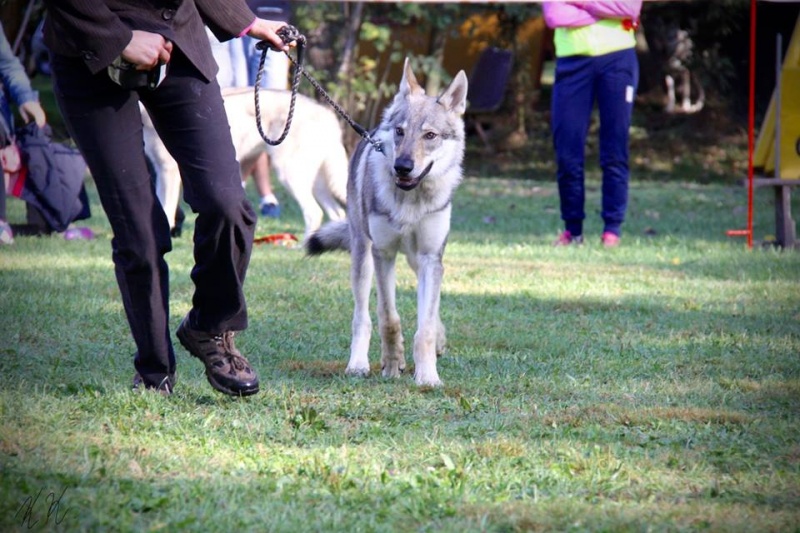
403 210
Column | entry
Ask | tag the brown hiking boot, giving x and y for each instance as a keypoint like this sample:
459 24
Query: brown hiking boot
226 369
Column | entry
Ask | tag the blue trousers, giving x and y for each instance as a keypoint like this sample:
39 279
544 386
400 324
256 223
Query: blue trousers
611 81
188 113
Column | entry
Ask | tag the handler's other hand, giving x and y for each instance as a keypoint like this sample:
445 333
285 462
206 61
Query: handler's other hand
146 50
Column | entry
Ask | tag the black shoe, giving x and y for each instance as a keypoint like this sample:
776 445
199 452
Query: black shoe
164 388
226 369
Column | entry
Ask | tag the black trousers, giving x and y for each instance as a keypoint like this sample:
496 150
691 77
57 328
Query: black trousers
189 115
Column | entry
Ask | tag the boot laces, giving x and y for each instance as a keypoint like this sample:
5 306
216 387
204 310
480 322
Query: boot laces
225 341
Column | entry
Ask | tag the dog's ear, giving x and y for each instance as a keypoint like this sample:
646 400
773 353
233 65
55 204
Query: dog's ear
454 98
409 84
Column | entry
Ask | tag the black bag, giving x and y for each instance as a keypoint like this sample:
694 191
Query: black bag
53 186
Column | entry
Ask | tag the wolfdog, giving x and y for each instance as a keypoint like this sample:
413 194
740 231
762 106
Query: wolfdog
311 163
400 200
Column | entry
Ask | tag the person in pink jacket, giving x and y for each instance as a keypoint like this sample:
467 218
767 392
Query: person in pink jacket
595 62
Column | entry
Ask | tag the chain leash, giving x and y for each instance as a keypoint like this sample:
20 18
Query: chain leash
288 34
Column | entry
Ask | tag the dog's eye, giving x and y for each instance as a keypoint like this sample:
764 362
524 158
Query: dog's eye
399 132
430 136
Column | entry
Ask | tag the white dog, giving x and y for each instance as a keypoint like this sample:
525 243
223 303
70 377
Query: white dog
400 201
311 163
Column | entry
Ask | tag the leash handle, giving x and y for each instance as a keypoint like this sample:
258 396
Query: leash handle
289 33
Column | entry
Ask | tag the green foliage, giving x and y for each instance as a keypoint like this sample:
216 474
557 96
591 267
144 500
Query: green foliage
362 85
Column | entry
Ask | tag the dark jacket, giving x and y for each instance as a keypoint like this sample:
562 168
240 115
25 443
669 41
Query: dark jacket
98 31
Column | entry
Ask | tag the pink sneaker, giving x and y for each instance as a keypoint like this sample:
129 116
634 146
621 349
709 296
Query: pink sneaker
609 240
79 234
566 238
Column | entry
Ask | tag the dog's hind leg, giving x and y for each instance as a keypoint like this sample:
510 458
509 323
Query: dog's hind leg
330 205
168 190
167 177
393 361
300 187
361 272
333 171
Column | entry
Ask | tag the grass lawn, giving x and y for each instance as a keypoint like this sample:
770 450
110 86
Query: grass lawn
653 387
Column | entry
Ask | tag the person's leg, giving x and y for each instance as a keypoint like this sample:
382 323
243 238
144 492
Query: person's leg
252 57
618 76
275 73
105 122
238 60
211 178
3 186
275 76
572 102
269 205
6 234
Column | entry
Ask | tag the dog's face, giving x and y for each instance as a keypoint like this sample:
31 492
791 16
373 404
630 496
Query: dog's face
422 130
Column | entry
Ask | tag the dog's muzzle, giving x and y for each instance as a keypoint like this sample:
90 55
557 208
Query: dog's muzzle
402 173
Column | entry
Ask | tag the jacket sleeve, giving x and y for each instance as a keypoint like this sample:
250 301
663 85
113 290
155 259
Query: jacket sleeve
91 28
226 18
607 10
566 15
13 76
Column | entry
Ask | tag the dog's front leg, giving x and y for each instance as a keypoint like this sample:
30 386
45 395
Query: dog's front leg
686 90
670 82
429 279
167 175
393 361
361 272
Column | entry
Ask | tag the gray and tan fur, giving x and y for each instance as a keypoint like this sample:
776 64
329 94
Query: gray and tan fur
400 201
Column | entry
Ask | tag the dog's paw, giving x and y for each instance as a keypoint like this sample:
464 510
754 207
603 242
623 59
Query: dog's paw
392 370
359 372
428 380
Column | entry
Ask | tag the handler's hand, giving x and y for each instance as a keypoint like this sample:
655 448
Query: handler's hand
264 30
146 50
33 111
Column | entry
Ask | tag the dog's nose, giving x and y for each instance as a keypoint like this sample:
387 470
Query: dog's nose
403 166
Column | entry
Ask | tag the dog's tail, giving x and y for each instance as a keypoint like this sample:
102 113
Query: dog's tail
331 236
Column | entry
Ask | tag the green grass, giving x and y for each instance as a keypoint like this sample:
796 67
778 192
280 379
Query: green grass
653 387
